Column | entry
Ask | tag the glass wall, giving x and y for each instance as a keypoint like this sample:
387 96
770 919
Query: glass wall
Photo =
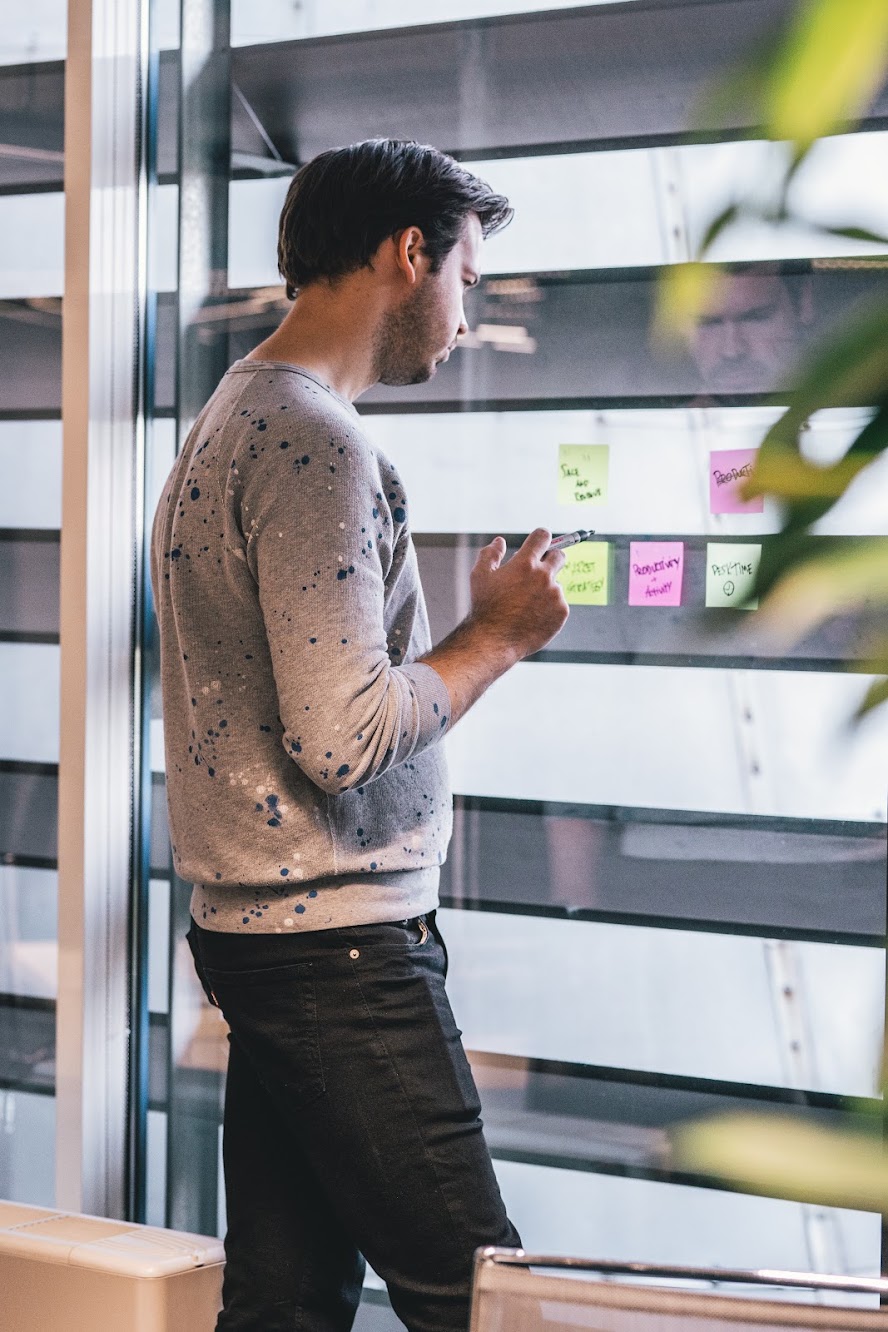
32 46
666 890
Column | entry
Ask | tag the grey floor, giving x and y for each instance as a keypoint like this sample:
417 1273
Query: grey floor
376 1318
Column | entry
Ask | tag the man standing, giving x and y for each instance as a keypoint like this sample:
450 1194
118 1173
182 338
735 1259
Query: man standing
309 803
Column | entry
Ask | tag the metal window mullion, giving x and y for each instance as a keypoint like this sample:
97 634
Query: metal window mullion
202 356
100 341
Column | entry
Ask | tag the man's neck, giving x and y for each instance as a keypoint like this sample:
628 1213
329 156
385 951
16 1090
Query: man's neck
326 337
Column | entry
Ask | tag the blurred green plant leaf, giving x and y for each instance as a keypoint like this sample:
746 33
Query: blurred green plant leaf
851 233
851 370
877 694
843 578
827 70
737 96
788 476
726 218
788 548
809 489
813 77
787 1158
797 160
685 293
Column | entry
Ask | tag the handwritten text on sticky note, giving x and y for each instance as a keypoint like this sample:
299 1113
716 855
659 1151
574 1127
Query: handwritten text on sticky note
582 473
730 574
728 469
585 577
655 573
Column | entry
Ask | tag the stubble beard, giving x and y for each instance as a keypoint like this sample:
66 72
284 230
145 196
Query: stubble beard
399 354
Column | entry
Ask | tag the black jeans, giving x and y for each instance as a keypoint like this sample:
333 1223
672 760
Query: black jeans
351 1128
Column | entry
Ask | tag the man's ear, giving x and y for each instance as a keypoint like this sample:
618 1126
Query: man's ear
408 252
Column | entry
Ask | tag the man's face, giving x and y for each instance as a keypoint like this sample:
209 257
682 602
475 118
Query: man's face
413 339
750 339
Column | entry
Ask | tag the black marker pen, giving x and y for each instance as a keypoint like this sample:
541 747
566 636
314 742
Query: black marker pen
570 539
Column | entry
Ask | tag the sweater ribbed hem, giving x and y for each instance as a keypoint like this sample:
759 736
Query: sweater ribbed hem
322 904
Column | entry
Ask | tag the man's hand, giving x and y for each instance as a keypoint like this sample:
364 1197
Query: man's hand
517 608
519 602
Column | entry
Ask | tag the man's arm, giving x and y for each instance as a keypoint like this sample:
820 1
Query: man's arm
517 608
314 535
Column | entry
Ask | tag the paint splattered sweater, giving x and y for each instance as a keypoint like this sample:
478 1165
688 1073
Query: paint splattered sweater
306 781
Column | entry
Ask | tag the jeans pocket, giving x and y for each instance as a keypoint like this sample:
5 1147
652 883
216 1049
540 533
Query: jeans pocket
435 928
421 938
272 1014
388 936
198 967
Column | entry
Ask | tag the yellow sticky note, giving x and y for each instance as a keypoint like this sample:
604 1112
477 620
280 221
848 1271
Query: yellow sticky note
582 473
585 576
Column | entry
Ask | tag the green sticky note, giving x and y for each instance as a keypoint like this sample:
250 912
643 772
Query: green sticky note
582 473
730 572
585 576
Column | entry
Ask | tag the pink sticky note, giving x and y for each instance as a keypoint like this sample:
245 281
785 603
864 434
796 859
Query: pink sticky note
728 469
655 573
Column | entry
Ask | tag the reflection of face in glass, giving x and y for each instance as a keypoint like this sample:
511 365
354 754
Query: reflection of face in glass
752 337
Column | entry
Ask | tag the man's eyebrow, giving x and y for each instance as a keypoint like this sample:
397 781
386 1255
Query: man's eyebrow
764 308
763 311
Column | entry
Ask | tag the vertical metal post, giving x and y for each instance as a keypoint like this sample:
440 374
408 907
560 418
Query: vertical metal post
202 358
204 169
137 1144
883 1090
100 339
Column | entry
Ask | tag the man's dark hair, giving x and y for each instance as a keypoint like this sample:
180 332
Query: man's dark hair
344 203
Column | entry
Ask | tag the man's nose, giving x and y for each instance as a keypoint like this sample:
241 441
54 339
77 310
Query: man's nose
731 341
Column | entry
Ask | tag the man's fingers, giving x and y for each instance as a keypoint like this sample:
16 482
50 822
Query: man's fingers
493 552
555 559
535 546
537 543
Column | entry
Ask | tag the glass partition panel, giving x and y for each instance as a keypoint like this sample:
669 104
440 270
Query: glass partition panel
554 81
541 342
650 205
665 737
619 204
276 20
608 1217
28 957
666 891
634 997
33 262
34 32
31 223
743 874
27 1161
31 461
502 470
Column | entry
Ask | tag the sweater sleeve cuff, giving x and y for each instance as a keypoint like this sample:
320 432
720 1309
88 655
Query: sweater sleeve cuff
432 702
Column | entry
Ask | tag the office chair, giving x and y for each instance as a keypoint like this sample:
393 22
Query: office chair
511 1294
